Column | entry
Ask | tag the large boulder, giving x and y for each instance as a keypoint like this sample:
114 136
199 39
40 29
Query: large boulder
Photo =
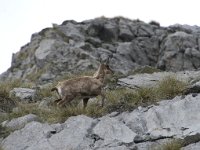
24 94
171 118
111 130
78 46
33 136
20 122
179 51
37 136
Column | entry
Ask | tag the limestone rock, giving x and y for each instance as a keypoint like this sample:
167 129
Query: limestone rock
70 135
150 80
20 122
33 136
24 94
75 47
110 129
171 118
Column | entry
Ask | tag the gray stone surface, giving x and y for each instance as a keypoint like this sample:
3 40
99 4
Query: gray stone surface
179 52
177 118
37 136
74 134
143 128
150 80
111 129
24 94
33 136
20 122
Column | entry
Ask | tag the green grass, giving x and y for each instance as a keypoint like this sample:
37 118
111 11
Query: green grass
173 145
145 69
120 99
56 114
170 87
7 102
127 99
4 132
7 86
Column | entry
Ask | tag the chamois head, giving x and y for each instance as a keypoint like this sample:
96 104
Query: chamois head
103 70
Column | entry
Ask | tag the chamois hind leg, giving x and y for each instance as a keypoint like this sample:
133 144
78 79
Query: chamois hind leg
56 101
65 100
85 101
102 98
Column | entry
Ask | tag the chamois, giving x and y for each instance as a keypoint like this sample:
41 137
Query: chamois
84 87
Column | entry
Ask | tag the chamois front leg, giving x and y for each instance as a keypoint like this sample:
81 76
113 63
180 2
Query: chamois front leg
85 101
102 98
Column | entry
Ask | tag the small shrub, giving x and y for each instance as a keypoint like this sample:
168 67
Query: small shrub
173 145
120 100
7 86
55 114
145 96
45 92
126 99
22 55
170 87
4 132
6 103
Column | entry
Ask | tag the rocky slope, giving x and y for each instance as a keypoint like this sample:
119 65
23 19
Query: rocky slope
76 46
144 128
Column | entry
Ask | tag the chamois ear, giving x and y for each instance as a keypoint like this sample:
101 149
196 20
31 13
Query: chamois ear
107 61
99 58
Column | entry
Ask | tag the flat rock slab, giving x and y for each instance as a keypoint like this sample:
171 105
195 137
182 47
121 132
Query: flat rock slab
150 80
171 118
111 129
20 122
38 136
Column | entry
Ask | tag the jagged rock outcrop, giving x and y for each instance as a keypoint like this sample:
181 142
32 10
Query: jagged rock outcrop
143 128
77 46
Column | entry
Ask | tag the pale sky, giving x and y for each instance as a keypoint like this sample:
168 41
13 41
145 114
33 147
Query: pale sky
19 19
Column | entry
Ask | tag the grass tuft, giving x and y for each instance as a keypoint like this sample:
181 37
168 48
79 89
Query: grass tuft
173 145
4 132
170 87
127 99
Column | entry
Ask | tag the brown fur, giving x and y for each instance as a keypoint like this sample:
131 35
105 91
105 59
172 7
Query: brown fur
84 87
